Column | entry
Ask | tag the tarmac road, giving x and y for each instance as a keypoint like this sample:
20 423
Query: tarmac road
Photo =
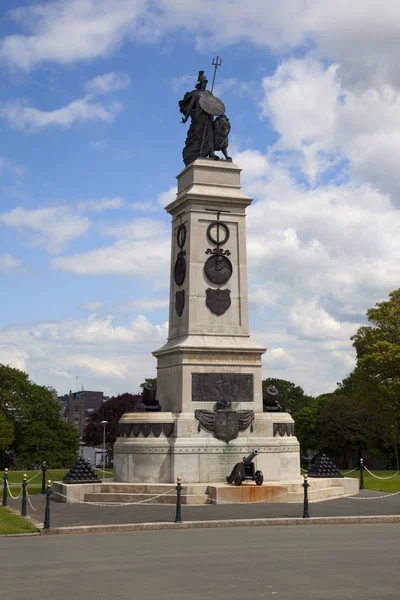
342 562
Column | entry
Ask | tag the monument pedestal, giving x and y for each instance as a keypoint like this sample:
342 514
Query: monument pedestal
147 452
209 380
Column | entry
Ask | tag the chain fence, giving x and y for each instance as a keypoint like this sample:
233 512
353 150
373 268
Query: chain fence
76 500
382 478
10 492
31 505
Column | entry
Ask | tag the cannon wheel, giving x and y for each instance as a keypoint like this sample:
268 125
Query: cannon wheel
259 477
238 479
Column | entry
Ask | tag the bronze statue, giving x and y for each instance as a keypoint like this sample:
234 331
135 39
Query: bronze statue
205 134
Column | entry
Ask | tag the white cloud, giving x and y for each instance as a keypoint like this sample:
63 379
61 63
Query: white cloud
65 32
141 305
53 227
9 263
98 206
141 250
167 197
92 307
81 110
107 83
98 144
143 206
362 35
6 165
105 354
324 122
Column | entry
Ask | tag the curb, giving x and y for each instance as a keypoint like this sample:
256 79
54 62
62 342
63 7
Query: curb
18 535
226 523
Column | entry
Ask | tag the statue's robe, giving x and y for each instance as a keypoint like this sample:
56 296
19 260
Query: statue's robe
200 137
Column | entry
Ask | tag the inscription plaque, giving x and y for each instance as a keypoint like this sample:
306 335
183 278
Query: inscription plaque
216 467
222 387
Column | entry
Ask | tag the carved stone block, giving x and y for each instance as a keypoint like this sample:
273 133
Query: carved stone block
222 388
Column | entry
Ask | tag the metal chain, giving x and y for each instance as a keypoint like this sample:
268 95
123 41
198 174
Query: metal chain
115 503
31 505
352 471
14 497
34 477
383 478
106 473
372 497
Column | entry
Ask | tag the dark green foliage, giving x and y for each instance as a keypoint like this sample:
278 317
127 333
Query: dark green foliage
291 396
38 431
363 414
111 411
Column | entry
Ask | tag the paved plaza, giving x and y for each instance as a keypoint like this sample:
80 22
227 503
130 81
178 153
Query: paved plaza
342 562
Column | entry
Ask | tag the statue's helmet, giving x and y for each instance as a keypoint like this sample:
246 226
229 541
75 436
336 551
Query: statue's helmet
202 78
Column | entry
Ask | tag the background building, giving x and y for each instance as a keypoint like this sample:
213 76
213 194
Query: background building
81 405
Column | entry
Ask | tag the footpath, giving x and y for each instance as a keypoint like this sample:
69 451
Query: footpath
367 503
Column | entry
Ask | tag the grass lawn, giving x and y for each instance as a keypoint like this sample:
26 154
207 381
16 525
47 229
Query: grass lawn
35 486
371 483
11 523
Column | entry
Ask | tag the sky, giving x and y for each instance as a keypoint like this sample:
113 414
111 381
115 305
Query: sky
91 143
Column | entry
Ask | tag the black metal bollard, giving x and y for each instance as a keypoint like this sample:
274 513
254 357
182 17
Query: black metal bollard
5 489
361 487
49 491
44 469
23 507
178 517
306 485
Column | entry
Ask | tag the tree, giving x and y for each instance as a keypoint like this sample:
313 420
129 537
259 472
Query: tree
292 396
375 381
307 425
6 436
38 430
378 353
346 424
110 411
39 442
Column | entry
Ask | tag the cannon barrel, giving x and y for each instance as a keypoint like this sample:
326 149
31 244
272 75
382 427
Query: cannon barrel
247 459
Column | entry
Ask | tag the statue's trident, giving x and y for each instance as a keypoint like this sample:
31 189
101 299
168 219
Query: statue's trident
217 62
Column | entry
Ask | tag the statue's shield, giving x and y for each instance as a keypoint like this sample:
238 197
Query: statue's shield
218 301
226 425
211 104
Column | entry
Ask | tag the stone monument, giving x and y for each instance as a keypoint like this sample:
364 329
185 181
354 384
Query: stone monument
209 382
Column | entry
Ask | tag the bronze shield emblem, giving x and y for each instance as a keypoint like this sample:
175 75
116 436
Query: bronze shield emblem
179 302
218 301
226 425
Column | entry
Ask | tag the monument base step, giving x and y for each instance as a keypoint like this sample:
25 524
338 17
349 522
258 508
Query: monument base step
207 493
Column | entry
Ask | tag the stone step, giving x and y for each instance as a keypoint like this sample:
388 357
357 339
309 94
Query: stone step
315 495
148 488
131 498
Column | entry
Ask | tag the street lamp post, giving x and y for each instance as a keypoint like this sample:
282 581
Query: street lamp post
104 423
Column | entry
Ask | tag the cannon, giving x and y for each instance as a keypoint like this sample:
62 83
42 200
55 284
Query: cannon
245 471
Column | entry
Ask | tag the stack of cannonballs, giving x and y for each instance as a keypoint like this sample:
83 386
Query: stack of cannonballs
322 466
81 472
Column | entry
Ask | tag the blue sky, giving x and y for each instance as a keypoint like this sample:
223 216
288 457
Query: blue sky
91 145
